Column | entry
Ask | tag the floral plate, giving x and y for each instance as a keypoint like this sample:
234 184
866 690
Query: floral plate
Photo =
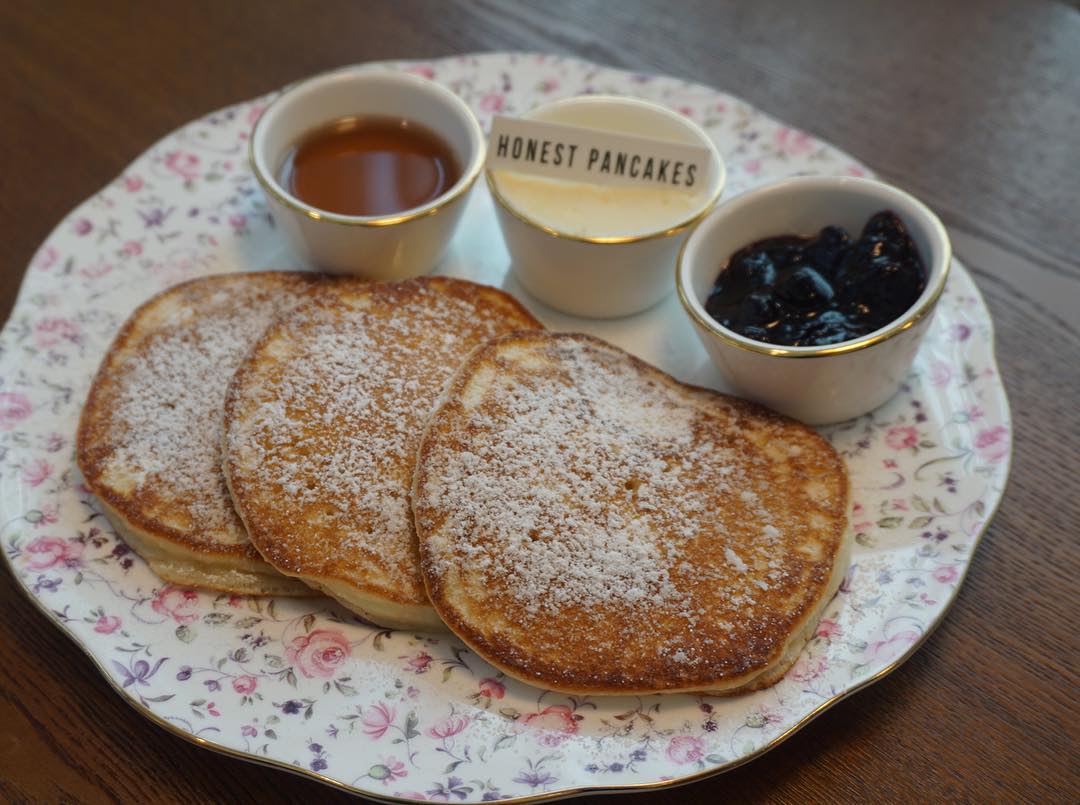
302 684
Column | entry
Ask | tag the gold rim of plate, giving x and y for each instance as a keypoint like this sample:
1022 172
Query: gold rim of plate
704 774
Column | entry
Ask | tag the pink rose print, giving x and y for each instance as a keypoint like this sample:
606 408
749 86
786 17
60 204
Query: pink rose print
555 723
249 731
685 749
492 688
245 685
854 170
378 719
828 628
807 669
422 70
752 166
107 624
133 184
318 653
37 472
686 111
211 708
993 444
793 142
50 332
960 332
940 374
177 603
901 438
238 222
45 552
183 164
493 102
14 408
95 270
254 113
548 85
83 226
46 258
131 249
945 574
389 769
49 514
887 650
858 511
418 664
449 726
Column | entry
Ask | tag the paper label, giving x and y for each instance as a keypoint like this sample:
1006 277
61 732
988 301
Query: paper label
579 154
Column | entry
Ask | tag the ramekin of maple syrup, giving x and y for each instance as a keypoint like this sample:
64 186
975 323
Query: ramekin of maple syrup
367 172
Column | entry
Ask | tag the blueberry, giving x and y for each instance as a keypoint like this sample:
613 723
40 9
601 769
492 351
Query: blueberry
827 250
805 288
885 225
792 333
831 327
737 273
721 308
758 308
760 270
880 280
753 331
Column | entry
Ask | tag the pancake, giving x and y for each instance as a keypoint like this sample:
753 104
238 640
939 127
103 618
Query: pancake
149 440
588 524
321 428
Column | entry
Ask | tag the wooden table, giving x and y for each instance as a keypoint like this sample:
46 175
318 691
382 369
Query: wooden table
975 107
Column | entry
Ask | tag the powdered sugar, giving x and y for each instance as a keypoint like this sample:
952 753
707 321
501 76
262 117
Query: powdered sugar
574 480
162 406
735 561
330 417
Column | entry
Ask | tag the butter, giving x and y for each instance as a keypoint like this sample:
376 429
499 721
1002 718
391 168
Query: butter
597 211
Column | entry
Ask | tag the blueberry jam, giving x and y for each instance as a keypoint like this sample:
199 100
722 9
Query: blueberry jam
813 291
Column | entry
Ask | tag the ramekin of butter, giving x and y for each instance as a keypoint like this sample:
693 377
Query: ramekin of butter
805 331
602 250
367 172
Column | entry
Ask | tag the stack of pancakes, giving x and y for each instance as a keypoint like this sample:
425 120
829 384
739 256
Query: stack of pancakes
428 455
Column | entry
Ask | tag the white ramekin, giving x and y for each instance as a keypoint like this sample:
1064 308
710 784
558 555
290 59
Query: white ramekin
390 247
603 277
818 385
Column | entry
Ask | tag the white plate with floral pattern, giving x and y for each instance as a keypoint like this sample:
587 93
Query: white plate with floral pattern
303 684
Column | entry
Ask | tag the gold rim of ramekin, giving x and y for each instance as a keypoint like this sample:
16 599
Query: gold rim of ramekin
460 188
920 310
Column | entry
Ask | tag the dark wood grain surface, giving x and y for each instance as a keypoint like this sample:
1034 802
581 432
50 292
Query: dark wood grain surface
974 106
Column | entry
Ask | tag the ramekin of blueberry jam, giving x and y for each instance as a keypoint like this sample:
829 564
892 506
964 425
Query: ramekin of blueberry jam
820 290
843 271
